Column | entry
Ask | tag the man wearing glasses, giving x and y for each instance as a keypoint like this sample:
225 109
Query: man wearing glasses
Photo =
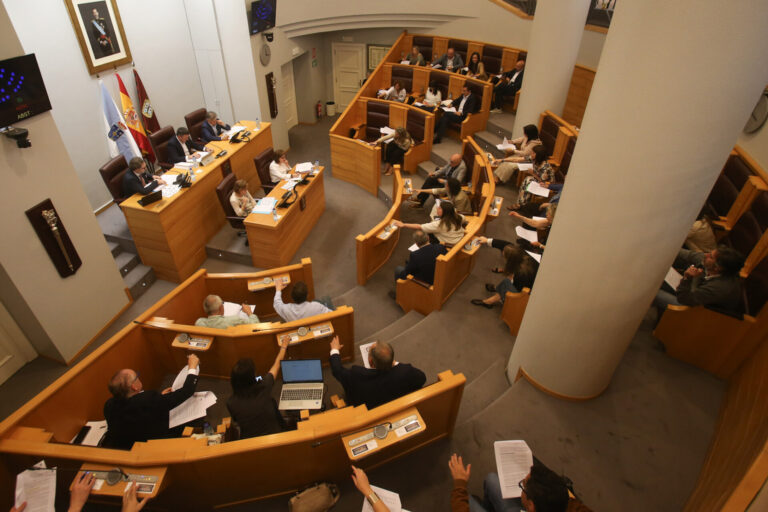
134 414
542 491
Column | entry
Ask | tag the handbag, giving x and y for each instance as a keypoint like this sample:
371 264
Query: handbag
316 498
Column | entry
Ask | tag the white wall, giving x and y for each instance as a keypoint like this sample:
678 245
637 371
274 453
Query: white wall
756 144
158 36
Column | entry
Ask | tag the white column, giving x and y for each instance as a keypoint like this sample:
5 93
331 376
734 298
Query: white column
555 38
675 85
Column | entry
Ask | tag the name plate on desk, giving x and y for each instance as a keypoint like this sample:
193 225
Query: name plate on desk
196 342
303 333
404 425
262 283
387 232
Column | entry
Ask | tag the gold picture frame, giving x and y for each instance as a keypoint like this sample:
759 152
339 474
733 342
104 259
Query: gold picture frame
100 33
376 53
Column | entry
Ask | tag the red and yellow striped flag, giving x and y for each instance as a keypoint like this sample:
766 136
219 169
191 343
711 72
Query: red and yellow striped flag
134 123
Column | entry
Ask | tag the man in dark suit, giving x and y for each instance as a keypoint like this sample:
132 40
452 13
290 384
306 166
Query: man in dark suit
137 180
386 379
455 168
213 127
509 84
465 104
181 146
421 262
134 414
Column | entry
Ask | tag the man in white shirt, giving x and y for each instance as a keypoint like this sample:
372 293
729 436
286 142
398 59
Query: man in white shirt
465 104
510 83
301 308
450 61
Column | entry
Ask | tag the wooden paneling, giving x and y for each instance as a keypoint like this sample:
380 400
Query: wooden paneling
578 94
356 162
514 308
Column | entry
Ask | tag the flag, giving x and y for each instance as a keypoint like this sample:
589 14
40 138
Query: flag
151 124
133 122
117 130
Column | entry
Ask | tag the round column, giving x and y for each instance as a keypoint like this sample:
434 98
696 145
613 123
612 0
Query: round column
675 85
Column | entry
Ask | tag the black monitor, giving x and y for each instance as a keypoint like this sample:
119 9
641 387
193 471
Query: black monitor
22 91
262 15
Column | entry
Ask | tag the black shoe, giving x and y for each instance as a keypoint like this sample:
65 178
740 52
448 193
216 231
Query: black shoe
392 295
491 288
479 302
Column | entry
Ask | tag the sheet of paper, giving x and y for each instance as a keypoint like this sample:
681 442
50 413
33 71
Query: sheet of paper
233 131
191 409
265 205
389 498
437 66
504 146
535 256
169 179
289 185
234 309
536 189
673 278
414 247
38 488
525 167
386 130
170 190
446 103
364 350
381 91
94 435
526 234
513 463
183 166
449 109
417 104
538 218
405 61
304 167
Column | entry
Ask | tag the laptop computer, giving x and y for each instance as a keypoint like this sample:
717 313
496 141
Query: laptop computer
302 384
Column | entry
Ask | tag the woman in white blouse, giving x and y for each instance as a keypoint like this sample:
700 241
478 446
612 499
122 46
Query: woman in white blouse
448 228
507 167
279 169
432 98
241 200
395 93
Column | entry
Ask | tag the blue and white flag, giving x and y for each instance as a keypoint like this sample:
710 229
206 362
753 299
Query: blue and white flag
117 131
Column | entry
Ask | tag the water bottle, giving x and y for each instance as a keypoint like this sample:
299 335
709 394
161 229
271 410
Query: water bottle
316 167
207 429
274 215
258 124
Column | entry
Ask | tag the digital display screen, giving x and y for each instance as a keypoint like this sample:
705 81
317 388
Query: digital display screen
302 370
22 91
262 15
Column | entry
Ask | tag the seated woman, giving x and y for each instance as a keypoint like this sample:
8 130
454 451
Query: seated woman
447 228
395 93
432 98
476 68
540 225
241 200
395 151
517 271
251 404
542 173
415 58
280 169
507 166
451 192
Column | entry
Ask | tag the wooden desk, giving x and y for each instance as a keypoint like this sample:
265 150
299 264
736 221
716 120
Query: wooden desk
156 480
274 244
170 235
403 425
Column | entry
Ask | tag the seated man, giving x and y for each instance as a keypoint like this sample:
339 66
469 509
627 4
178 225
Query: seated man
710 279
386 379
137 180
465 104
421 262
509 84
450 61
181 146
455 168
214 308
134 414
542 491
213 127
451 192
301 307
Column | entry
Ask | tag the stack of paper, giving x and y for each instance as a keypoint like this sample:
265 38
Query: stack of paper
673 278
389 498
505 144
170 190
535 256
386 130
405 62
233 130
191 409
265 205
526 234
525 167
95 433
536 189
183 166
449 109
513 463
304 167
418 104
290 184
233 309
37 487
169 179
364 351
437 66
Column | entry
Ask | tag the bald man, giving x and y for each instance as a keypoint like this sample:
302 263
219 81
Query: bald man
455 168
134 414
385 380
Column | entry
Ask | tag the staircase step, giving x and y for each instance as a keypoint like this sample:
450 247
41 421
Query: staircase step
487 141
442 152
483 391
114 248
126 261
501 124
227 245
396 328
139 280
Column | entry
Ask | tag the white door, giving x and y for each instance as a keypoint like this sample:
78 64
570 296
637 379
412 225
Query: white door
348 72
15 350
288 96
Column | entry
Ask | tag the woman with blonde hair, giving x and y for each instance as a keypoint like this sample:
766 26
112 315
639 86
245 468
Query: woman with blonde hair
400 143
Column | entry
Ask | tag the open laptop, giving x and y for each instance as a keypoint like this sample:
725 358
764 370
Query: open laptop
302 384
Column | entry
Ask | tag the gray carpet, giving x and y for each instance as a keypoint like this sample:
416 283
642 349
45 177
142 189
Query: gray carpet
639 446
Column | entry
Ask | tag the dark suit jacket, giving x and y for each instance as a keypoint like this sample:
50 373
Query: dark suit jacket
132 184
470 107
458 62
513 87
373 387
210 133
175 151
421 263
143 416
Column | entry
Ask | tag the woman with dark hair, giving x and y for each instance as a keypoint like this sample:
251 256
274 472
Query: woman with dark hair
516 257
542 173
279 168
395 93
395 151
432 98
251 404
452 192
507 167
448 228
476 68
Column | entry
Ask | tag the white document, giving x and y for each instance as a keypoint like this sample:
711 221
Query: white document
526 234
169 179
405 61
364 351
233 131
449 109
446 103
191 409
505 144
386 130
414 247
536 189
513 463
170 190
265 205
381 92
389 498
535 256
673 278
290 184
183 166
525 167
233 309
304 167
37 487
96 432
417 104
437 66
538 218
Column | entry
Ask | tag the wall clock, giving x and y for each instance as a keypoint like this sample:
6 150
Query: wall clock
759 114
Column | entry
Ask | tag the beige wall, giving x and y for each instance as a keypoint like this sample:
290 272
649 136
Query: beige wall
57 315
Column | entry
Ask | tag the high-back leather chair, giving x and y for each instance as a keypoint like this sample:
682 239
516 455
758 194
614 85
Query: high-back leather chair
425 47
460 47
405 75
750 227
377 116
159 141
415 125
469 160
112 173
262 162
548 133
195 120
223 192
756 288
441 81
492 56
477 90
565 162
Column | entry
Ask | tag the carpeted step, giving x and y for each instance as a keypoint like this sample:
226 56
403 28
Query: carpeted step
502 124
139 280
114 248
442 152
483 390
126 261
227 245
394 329
488 140
370 302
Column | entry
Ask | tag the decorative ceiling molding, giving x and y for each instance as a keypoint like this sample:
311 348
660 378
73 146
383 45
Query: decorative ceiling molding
361 21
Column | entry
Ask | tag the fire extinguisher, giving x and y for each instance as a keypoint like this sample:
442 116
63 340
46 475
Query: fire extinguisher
319 108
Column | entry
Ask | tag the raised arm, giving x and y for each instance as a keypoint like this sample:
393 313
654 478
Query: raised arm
275 370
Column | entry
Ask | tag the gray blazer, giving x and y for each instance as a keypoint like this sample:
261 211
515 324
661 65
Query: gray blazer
459 173
458 63
719 291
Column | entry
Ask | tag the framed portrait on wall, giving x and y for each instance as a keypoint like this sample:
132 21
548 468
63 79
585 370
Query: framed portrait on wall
100 33
375 54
